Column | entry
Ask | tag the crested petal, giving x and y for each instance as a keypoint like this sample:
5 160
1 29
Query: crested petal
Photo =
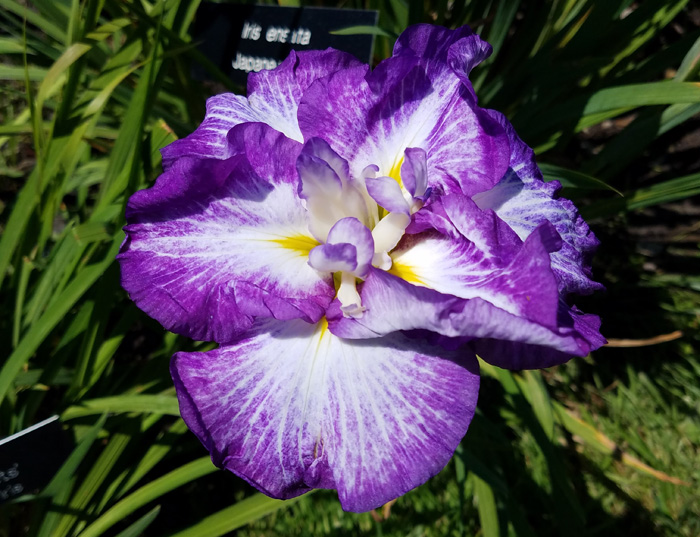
330 193
334 257
387 193
351 230
414 171
523 200
214 244
291 407
273 98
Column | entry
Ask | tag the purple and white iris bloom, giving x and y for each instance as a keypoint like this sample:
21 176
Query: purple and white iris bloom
352 239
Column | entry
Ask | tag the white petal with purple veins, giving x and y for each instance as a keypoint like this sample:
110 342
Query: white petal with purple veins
291 407
205 259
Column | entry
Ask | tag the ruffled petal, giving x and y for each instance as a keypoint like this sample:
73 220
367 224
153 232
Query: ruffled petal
430 44
408 101
273 98
214 244
483 258
499 337
581 329
224 112
465 54
291 407
524 201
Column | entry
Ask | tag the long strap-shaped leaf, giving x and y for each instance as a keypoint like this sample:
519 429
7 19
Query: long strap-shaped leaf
235 516
53 315
147 493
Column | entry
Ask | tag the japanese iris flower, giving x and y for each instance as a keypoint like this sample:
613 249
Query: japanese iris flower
352 239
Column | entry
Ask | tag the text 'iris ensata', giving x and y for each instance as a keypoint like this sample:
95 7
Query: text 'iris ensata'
352 239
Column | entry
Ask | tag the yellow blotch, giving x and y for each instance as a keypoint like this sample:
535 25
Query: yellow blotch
405 273
300 244
395 172
322 326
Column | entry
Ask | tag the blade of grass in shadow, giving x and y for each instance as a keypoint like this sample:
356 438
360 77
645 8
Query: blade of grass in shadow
149 492
155 404
25 270
363 30
573 179
690 63
644 129
53 315
486 506
32 17
236 516
123 161
566 508
57 489
76 509
137 528
665 192
156 452
641 26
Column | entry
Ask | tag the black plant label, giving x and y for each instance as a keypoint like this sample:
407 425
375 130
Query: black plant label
30 458
243 38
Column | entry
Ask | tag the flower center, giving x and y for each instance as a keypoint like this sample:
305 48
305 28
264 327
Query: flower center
343 209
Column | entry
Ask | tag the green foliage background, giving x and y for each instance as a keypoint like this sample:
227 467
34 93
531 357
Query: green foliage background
607 93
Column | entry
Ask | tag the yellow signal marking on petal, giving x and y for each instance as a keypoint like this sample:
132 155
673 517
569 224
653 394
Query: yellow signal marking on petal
321 332
301 244
395 172
336 281
406 273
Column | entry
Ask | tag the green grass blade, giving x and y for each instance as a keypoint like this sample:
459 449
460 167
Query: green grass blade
76 508
32 17
58 488
665 192
137 528
156 452
595 439
53 315
124 157
573 179
486 505
235 516
11 72
690 63
149 404
147 493
362 30
73 461
26 269
649 94
540 400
